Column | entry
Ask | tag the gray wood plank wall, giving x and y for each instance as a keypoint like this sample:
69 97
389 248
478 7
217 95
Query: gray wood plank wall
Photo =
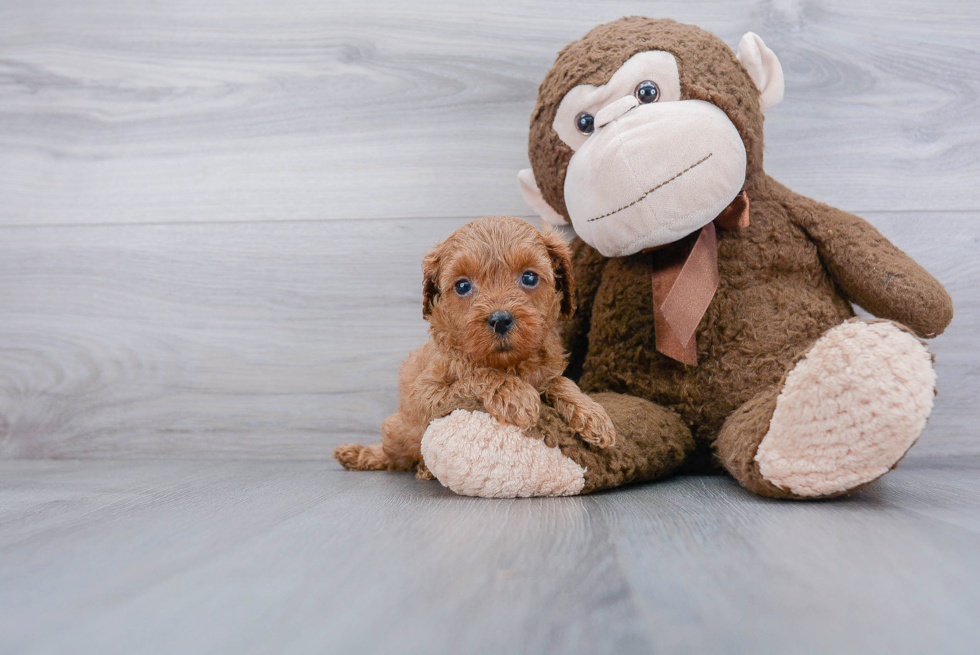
212 217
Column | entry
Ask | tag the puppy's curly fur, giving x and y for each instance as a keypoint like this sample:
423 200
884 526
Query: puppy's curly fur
471 361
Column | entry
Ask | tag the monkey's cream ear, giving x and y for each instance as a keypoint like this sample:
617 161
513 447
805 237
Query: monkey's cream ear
532 196
764 69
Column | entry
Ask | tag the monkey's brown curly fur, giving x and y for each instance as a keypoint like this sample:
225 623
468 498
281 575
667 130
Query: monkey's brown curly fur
466 364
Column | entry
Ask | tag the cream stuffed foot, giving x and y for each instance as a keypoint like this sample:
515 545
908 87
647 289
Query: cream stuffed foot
848 411
475 455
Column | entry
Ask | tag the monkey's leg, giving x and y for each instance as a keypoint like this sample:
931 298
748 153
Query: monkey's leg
651 442
842 417
475 455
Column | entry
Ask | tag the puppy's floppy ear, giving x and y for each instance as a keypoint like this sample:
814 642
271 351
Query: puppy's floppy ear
561 262
430 278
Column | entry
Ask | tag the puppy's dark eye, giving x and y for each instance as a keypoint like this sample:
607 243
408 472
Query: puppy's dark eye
585 123
529 279
462 287
647 92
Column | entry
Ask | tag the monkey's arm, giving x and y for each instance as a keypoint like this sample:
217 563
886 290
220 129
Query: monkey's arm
871 271
587 266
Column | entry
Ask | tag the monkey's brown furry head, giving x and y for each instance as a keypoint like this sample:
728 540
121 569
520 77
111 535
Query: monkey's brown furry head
708 68
494 289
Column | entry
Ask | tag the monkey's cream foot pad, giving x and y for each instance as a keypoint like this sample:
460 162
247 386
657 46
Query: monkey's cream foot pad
475 455
849 410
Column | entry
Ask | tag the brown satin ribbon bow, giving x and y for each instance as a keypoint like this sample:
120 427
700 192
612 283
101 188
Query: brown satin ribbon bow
685 280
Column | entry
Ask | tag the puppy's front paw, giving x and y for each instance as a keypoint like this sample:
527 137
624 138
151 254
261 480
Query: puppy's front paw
593 424
517 403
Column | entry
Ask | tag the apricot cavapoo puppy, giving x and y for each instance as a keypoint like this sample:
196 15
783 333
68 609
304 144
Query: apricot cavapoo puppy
493 292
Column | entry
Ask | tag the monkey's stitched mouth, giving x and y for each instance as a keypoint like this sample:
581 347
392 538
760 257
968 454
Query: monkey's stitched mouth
662 184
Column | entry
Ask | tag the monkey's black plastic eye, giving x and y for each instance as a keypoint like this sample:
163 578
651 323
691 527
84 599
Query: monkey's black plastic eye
585 123
647 92
462 287
529 279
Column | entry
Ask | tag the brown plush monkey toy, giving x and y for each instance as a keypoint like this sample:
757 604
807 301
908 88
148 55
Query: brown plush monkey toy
715 320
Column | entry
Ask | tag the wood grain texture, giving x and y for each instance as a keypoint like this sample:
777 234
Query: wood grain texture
237 339
302 557
174 284
284 339
118 112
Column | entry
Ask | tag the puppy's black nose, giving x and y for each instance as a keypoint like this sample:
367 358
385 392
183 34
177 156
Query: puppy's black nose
501 322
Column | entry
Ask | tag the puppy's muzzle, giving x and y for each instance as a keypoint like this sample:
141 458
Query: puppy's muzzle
501 322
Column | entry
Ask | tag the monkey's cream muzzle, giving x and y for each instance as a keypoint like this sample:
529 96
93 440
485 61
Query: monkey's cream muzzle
652 174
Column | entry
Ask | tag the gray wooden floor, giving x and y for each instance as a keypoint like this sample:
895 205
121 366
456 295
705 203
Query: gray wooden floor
211 222
299 557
